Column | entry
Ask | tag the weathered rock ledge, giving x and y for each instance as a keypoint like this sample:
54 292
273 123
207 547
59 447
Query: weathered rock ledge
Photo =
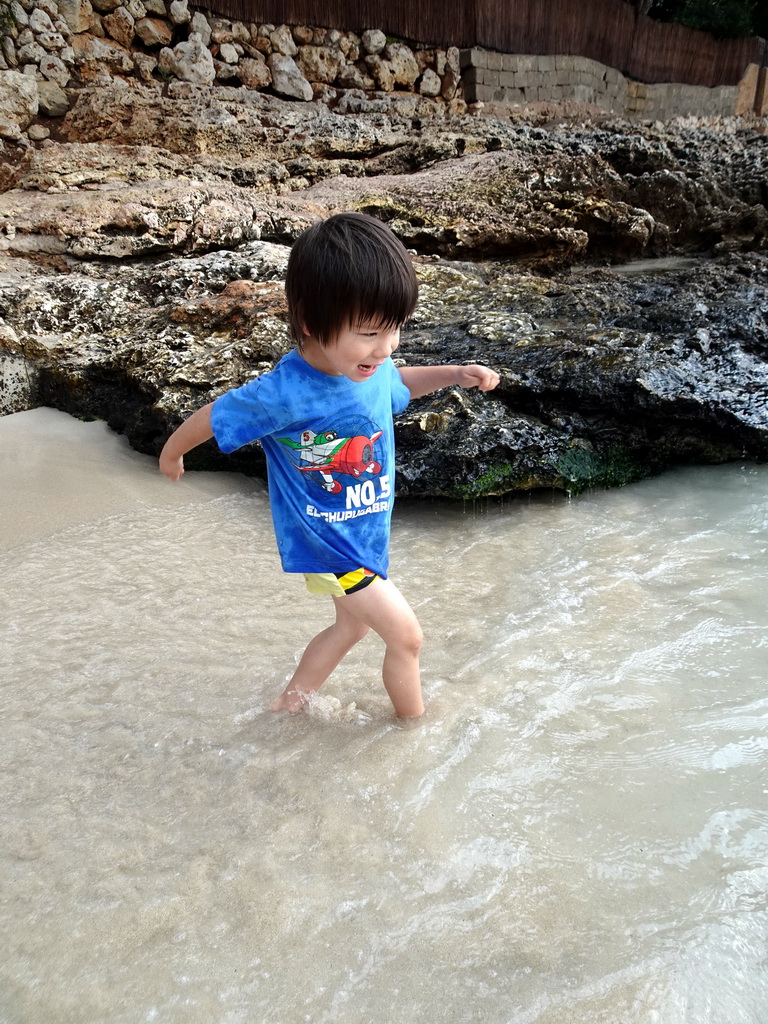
606 377
142 253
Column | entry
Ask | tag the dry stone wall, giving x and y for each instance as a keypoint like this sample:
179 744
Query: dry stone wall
521 80
49 48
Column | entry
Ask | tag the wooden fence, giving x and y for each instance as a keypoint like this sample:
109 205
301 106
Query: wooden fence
610 31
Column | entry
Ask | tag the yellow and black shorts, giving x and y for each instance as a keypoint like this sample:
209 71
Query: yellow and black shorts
339 583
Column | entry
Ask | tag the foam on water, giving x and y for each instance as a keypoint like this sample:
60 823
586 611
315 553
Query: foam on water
576 831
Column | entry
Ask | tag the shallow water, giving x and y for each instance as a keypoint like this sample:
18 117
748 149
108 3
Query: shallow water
577 831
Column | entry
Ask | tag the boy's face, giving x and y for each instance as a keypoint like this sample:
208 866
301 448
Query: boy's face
356 353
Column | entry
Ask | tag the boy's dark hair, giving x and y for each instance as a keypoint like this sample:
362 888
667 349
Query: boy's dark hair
345 269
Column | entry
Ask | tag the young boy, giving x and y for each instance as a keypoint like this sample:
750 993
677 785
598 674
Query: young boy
324 419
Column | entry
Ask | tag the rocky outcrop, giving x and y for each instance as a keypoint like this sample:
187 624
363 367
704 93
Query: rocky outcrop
606 377
232 169
150 191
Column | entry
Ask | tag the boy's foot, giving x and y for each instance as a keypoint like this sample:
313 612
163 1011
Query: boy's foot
290 700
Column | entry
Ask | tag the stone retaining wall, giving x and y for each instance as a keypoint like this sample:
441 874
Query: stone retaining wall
520 80
59 46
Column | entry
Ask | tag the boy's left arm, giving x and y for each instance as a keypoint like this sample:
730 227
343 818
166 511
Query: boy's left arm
423 380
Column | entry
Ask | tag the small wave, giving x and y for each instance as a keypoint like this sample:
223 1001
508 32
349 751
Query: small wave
330 709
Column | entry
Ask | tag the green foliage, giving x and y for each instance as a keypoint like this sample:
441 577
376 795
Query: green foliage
726 19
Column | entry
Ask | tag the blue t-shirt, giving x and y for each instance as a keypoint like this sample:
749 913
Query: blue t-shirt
330 450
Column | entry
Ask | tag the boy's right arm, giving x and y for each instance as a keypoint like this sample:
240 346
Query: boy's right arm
189 435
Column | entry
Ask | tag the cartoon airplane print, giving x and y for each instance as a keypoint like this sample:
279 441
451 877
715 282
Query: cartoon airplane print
327 453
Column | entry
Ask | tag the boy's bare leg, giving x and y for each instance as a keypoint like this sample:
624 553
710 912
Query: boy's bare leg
321 657
382 607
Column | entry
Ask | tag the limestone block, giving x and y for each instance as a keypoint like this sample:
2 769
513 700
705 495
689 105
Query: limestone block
156 7
32 53
262 44
452 74
199 24
53 100
430 84
224 72
404 66
254 73
351 46
527 62
320 63
514 96
594 67
90 50
145 65
52 41
287 80
382 71
282 42
546 63
494 60
473 58
154 32
78 14
507 79
222 33
241 32
426 59
190 61
19 98
121 26
583 94
179 12
9 130
54 70
353 77
747 90
303 35
39 21
19 15
228 53
37 133
374 41
25 38
483 94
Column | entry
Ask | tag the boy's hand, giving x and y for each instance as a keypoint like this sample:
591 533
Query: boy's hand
171 466
189 435
476 376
